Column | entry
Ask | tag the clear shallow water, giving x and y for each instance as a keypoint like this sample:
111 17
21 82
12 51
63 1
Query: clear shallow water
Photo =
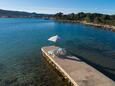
21 61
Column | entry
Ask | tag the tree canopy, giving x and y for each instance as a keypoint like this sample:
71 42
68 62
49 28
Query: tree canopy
88 17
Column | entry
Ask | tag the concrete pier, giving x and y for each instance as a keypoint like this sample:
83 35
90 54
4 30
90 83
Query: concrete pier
77 72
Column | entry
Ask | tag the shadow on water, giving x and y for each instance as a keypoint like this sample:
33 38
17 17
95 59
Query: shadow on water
97 66
97 54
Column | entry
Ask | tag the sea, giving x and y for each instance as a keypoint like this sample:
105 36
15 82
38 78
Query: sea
21 40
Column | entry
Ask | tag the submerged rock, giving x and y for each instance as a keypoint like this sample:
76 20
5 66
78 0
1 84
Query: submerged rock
10 80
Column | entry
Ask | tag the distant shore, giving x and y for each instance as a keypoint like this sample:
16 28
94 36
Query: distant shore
104 21
104 26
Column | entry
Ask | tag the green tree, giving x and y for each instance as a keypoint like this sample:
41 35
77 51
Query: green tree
97 20
59 15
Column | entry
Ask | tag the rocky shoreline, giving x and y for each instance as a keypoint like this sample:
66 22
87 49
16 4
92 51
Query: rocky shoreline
105 27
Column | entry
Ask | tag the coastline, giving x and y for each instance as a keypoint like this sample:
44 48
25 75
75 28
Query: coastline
104 26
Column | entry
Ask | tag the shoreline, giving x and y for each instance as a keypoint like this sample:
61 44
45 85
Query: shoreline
105 27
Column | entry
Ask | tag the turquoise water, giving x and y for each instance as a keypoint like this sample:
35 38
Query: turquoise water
21 62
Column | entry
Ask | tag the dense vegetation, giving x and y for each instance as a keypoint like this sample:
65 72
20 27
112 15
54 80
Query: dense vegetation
88 18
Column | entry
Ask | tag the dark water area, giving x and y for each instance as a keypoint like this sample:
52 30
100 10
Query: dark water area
21 61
